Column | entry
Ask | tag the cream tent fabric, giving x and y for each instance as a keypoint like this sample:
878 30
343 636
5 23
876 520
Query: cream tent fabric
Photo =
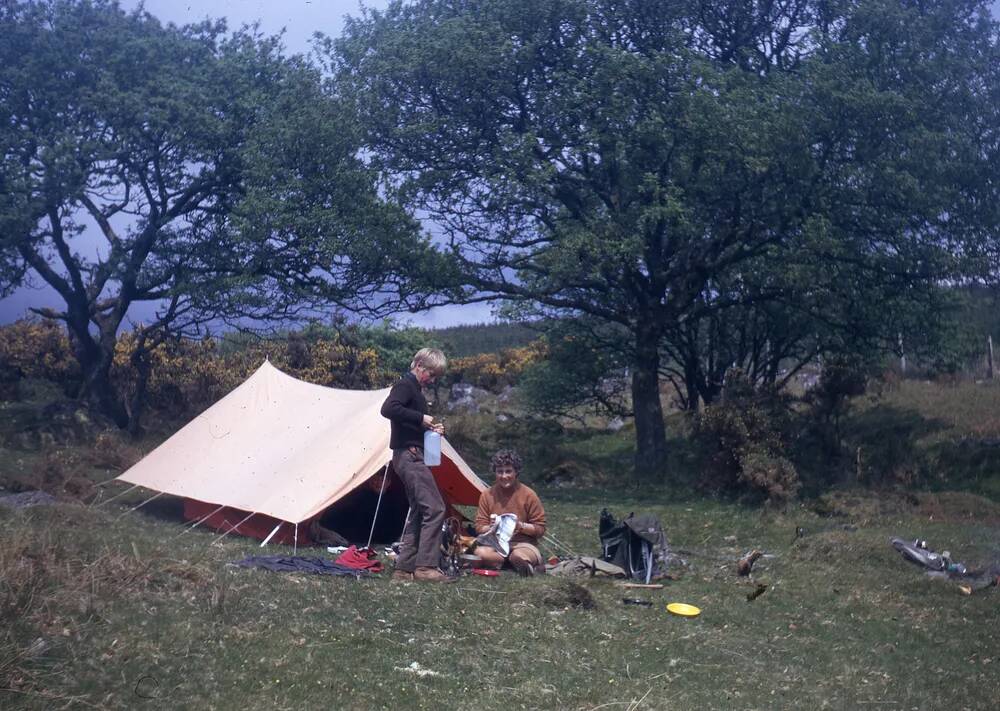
285 448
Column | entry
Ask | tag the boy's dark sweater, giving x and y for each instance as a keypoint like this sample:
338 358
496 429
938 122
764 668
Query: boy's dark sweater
405 409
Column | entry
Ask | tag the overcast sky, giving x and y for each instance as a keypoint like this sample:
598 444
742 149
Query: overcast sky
299 18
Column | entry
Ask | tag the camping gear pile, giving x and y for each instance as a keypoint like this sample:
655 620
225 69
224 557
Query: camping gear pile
636 544
941 566
634 548
300 564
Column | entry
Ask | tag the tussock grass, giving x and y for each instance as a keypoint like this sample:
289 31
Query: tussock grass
113 451
119 610
563 595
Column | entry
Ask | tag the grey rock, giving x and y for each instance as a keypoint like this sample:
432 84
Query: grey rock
466 398
26 498
37 648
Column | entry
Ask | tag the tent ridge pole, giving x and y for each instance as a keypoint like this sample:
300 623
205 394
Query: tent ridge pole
271 534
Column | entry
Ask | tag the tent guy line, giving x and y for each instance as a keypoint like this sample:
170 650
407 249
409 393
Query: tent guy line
199 521
134 508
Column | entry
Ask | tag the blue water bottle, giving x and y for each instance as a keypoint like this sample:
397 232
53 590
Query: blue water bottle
432 448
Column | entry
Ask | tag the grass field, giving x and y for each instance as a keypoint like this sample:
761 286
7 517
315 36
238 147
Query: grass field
101 607
110 609
930 435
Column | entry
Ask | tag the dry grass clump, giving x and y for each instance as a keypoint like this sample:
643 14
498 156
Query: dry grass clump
70 473
25 589
111 451
54 583
64 473
565 594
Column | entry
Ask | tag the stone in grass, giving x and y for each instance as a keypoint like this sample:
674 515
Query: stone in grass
415 668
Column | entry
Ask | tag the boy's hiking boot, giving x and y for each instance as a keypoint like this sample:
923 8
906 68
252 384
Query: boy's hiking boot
431 575
402 576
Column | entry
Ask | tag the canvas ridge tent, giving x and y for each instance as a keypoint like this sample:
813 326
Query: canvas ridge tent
276 452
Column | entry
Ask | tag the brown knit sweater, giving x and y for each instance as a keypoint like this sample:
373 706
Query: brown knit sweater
522 501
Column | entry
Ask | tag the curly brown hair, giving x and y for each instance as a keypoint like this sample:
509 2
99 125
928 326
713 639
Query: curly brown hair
506 458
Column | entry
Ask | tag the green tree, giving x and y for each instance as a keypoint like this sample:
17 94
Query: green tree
221 177
778 321
585 370
619 160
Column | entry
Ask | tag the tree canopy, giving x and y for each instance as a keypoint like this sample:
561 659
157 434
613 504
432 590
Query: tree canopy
650 164
222 178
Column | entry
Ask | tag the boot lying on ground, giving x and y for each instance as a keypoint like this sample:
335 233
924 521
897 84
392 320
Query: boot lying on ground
431 575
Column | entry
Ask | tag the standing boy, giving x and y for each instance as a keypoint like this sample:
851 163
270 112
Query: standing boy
406 409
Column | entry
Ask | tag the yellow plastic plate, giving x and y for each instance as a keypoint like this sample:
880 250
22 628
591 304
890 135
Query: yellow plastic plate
683 609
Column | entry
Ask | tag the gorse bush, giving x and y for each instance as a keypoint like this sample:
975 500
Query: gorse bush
185 376
494 371
188 376
30 349
742 439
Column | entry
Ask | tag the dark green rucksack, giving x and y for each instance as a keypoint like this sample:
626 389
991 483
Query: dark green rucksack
637 544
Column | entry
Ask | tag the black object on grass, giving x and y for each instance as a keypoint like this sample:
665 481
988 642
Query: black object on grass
636 601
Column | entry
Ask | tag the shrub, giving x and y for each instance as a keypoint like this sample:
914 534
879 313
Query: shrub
30 349
742 441
187 376
494 371
842 378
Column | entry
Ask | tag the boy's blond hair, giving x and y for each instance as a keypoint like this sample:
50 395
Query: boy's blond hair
431 359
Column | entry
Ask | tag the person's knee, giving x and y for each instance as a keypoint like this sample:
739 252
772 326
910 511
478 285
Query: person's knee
434 512
521 555
431 504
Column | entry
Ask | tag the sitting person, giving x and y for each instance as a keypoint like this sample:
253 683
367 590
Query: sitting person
510 496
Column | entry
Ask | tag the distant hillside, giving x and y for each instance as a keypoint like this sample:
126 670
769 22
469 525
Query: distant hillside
461 341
